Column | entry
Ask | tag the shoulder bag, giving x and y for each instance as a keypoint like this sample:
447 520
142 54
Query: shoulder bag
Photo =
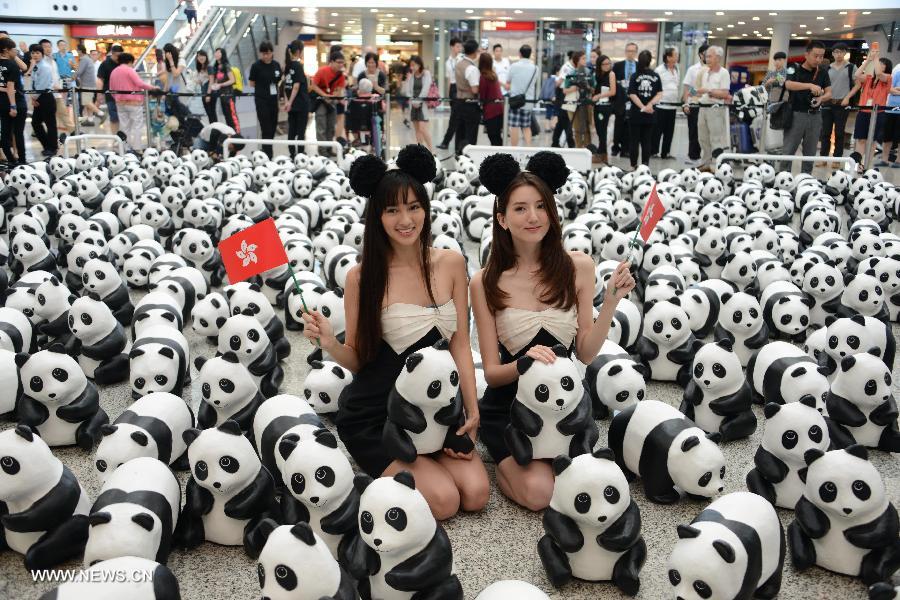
781 114
518 101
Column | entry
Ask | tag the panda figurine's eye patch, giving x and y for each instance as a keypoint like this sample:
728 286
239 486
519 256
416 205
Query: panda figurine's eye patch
828 492
226 385
366 522
60 375
611 494
861 490
789 439
703 590
9 465
815 433
253 335
201 471
705 479
234 342
286 577
325 476
542 393
567 383
396 518
434 389
298 483
229 464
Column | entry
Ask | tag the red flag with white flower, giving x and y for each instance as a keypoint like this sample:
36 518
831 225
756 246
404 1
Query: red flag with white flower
653 211
252 251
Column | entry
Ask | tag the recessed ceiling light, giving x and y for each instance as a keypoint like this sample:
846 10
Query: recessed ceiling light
741 23
660 19
756 18
295 9
332 25
586 19
421 10
351 22
809 33
867 12
617 12
549 18
773 13
793 35
517 11
847 26
827 29
633 19
719 13
404 20
426 26
406 31
820 18
843 12
469 11
730 26
711 37
415 22
334 14
373 10
743 35
390 15
718 29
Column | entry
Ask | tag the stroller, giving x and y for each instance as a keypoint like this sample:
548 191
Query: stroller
183 137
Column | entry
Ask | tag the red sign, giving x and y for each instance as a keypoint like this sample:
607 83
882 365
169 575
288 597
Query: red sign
508 26
252 251
628 27
121 30
653 210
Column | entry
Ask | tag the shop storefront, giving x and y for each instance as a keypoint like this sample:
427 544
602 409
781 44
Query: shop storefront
390 48
134 38
615 35
511 35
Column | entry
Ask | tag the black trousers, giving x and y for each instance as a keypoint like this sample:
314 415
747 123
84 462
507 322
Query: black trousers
13 128
454 117
563 123
620 132
210 107
694 150
43 119
601 124
663 129
834 117
297 121
229 111
267 116
640 136
469 117
494 129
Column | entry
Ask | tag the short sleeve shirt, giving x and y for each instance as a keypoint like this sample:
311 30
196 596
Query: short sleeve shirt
220 72
645 84
328 80
265 78
292 76
105 70
894 99
802 100
9 71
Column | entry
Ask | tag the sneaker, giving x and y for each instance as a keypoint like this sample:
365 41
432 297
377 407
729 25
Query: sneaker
895 165
443 146
102 116
690 162
48 153
88 123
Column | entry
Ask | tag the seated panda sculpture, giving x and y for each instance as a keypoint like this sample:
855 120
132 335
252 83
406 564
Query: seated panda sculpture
782 373
227 392
43 508
102 282
424 408
733 550
511 588
246 338
741 322
159 361
614 380
667 343
844 522
551 414
847 336
247 299
401 551
107 584
593 526
323 385
102 341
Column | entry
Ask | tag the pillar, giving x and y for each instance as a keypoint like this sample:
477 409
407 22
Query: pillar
781 40
441 55
369 28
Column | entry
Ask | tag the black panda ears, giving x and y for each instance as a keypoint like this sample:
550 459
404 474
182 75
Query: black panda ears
144 520
848 277
99 518
316 364
230 357
361 481
135 352
725 550
686 532
560 464
560 351
726 344
858 319
858 451
57 348
108 429
442 344
220 321
604 454
812 455
726 297
287 445
715 437
230 427
406 478
25 432
21 358
140 438
847 363
326 438
199 362
523 364
303 532
190 435
167 352
413 360
614 370
876 352
338 372
265 528
690 442
229 293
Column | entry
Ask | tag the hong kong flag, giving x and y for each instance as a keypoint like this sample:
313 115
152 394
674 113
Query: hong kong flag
653 210
252 251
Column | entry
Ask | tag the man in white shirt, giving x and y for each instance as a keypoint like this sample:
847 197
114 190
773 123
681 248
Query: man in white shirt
450 69
501 68
713 87
360 65
692 112
468 109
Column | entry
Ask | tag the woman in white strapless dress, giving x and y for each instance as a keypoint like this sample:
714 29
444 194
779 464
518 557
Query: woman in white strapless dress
404 296
530 296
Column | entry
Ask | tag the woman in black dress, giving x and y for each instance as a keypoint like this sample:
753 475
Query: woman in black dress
530 296
403 296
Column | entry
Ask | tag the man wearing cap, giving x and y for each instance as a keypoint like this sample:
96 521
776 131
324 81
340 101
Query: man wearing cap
103 73
774 79
835 111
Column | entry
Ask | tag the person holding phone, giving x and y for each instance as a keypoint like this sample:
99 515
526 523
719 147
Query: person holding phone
874 92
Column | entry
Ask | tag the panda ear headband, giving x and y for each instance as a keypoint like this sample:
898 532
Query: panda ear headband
367 171
498 171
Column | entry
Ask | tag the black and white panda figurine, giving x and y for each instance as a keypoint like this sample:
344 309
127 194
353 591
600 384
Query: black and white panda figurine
824 285
43 508
552 413
668 451
108 584
57 399
53 303
246 338
883 591
424 408
196 247
667 344
186 285
785 310
863 295
791 430
318 480
152 426
323 385
155 309
295 564
614 380
10 393
848 336
861 405
102 282
102 342
16 330
593 526
511 588
741 322
208 315
276 418
844 522
733 550
228 493
159 361
782 373
135 513
227 392
625 328
401 551
30 253
246 299
718 397
702 303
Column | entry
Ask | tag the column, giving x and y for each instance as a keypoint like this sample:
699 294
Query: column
781 40
369 27
442 52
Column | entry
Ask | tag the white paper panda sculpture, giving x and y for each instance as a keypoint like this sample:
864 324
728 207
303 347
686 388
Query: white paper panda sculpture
782 373
844 522
593 526
511 588
246 338
246 298
733 550
135 513
295 565
718 397
102 282
552 413
667 344
786 310
159 361
319 481
160 585
424 408
741 322
883 591
53 303
43 508
625 329
57 399
9 394
103 343
702 302
845 337
228 392
323 385
401 552
861 405
667 451
208 315
16 331
823 284
863 295
155 308
614 380
153 426
791 430
228 493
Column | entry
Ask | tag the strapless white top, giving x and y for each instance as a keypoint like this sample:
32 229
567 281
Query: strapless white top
404 324
516 326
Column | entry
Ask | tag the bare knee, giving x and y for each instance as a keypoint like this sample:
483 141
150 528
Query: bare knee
536 491
443 499
474 493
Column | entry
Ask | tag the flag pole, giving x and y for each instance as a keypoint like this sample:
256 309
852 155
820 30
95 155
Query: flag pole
300 293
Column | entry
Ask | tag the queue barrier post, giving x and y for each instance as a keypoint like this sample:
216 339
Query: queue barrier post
505 137
387 128
870 136
76 106
92 136
339 150
147 125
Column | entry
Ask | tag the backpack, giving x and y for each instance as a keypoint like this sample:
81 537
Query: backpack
238 79
548 89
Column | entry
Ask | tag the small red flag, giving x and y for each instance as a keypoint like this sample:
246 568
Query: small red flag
252 251
653 210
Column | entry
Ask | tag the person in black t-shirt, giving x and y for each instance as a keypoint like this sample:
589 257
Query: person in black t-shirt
265 74
295 95
103 73
809 86
645 91
13 108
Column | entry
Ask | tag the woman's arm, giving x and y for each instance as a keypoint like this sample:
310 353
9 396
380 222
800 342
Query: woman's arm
591 334
461 345
495 374
10 89
318 327
426 85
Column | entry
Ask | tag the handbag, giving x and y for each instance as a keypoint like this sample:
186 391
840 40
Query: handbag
434 95
518 101
781 114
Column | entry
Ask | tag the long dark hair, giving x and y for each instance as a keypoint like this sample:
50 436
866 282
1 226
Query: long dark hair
206 64
171 49
224 60
392 190
888 67
486 67
415 58
599 63
557 271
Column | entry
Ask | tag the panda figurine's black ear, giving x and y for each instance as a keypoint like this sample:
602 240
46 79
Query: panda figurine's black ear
847 363
561 463
361 481
726 344
190 435
144 520
199 362
858 319
140 438
725 550
771 409
808 400
442 344
406 478
858 451
560 351
413 360
715 437
287 445
265 528
25 432
108 429
21 358
523 364
303 532
604 453
316 364
99 518
57 348
254 287
876 352
675 300
807 301
167 352
230 427
812 455
686 532
326 438
848 277
230 357
690 442
726 297
338 372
